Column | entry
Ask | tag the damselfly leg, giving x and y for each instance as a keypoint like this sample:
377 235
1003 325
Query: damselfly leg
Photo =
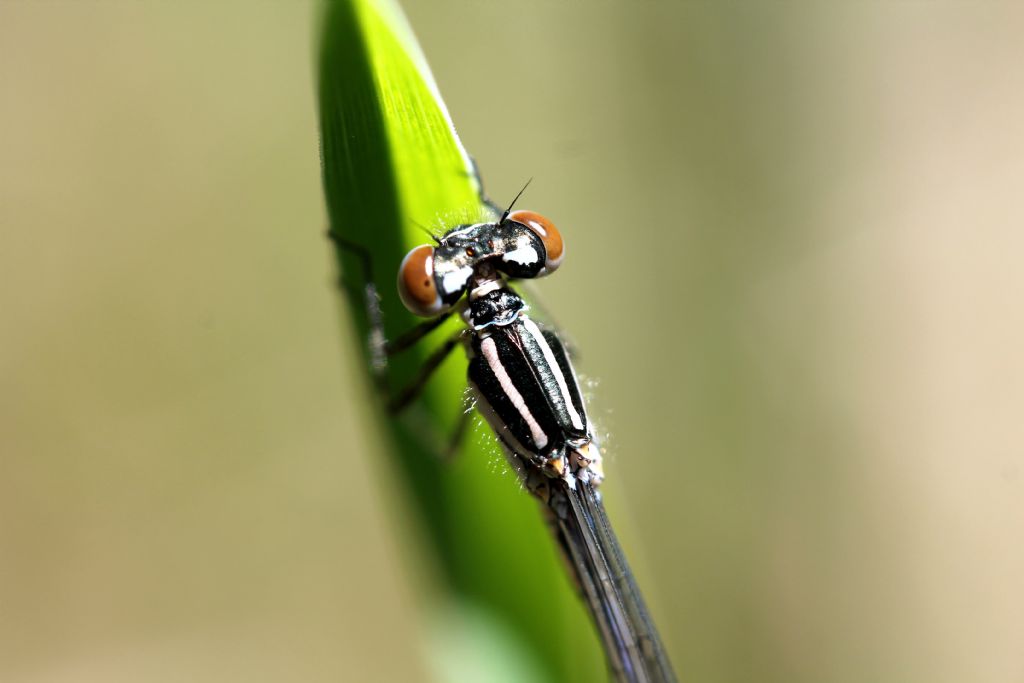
401 402
481 192
381 349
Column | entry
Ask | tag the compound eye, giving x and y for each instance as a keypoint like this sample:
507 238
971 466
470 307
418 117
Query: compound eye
416 283
548 234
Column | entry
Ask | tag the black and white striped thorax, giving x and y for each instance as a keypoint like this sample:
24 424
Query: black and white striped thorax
526 387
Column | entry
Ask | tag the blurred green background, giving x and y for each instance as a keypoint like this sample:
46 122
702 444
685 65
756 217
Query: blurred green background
793 231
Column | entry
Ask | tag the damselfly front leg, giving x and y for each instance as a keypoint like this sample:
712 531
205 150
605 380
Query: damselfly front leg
481 192
381 349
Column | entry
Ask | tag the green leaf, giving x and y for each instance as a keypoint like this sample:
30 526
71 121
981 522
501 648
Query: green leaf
392 159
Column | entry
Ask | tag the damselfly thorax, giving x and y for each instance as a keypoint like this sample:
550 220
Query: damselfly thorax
525 385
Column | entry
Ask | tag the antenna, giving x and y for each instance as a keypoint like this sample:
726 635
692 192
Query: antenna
509 209
427 230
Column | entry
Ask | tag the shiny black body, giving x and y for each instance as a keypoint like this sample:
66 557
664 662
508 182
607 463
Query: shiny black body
498 319
522 375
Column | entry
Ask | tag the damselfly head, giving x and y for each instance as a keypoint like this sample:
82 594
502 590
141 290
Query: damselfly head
523 244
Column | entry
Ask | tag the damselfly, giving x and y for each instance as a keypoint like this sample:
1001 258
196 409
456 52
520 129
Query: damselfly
527 390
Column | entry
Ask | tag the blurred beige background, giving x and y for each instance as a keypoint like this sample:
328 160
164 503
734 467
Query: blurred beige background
793 231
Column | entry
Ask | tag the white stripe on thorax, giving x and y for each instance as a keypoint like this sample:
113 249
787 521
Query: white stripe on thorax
556 369
490 351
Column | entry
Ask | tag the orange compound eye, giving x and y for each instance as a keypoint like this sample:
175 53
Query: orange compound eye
416 283
548 234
